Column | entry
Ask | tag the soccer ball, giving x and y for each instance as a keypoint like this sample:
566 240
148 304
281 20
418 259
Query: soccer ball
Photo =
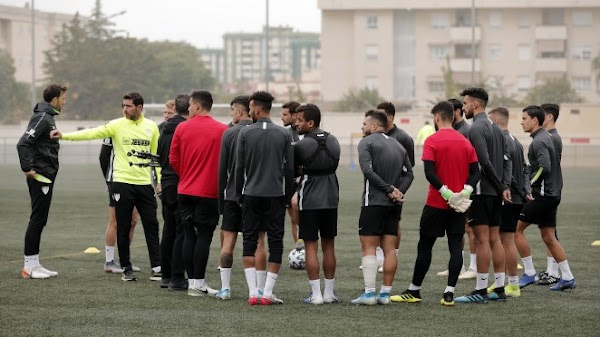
296 259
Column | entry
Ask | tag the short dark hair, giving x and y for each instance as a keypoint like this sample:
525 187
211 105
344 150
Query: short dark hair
204 98
182 103
135 97
388 107
292 106
379 117
477 93
502 111
263 99
551 108
535 111
456 104
52 91
310 112
445 110
242 100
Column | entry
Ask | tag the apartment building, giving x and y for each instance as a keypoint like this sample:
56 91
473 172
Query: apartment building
401 46
15 37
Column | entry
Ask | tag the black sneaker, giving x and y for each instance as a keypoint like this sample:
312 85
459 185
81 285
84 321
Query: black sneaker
448 299
548 280
164 282
497 295
128 275
155 276
178 285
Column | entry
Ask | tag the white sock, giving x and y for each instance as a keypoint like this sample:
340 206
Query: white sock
369 264
552 269
499 277
473 261
397 251
31 261
329 284
261 279
565 271
315 288
225 278
528 265
156 269
385 289
110 253
414 287
379 255
251 281
482 281
513 280
270 284
449 289
462 270
200 283
192 283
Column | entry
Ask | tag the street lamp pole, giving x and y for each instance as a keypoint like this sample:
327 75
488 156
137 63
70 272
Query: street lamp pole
267 48
32 53
473 42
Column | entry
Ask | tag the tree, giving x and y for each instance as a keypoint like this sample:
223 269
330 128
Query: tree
14 98
359 100
100 67
555 91
499 96
596 67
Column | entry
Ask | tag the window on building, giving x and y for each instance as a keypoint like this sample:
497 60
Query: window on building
463 18
372 22
582 18
372 52
372 82
440 20
551 49
553 17
435 86
495 19
581 52
524 52
495 52
581 83
524 20
523 83
438 51
464 51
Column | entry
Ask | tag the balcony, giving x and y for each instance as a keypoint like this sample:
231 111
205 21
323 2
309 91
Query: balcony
463 34
552 65
464 65
551 33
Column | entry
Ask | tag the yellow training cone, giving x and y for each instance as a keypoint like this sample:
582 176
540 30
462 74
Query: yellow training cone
91 250
596 243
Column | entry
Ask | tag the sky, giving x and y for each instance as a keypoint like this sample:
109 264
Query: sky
198 22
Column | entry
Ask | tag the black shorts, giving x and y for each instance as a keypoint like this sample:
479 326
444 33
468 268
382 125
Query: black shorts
263 214
315 221
510 217
435 222
541 211
379 220
111 200
485 210
232 216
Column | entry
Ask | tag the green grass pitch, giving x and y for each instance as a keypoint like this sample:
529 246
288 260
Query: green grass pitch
84 301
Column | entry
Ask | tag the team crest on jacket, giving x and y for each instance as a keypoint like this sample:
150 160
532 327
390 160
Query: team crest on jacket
117 196
45 189
148 132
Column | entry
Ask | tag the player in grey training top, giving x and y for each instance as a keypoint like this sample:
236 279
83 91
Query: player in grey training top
519 188
288 117
459 124
545 198
485 212
387 175
263 180
316 159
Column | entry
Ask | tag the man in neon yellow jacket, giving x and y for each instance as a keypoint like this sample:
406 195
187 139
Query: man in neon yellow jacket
426 131
132 182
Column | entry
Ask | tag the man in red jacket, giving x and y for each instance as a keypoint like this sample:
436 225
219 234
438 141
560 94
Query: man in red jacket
194 155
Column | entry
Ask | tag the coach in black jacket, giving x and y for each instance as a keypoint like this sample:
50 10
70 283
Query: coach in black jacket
38 155
171 245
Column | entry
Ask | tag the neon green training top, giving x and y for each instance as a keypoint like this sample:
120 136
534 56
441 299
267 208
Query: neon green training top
127 135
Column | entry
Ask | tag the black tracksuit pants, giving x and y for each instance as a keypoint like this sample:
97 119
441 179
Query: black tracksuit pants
171 245
41 197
